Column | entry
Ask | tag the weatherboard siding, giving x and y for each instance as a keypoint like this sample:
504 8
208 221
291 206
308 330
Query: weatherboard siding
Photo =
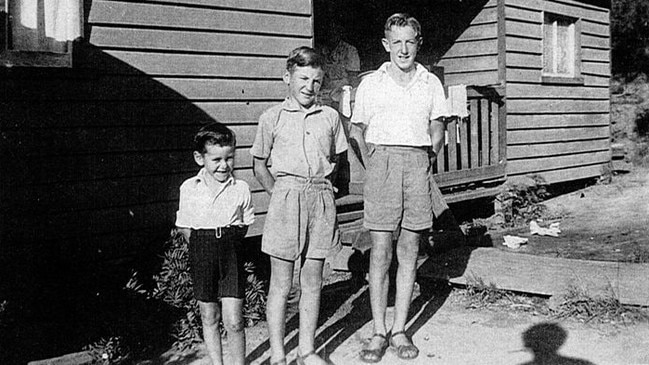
560 132
97 153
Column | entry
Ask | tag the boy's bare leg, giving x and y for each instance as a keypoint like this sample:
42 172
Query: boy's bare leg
235 328
380 259
210 317
311 284
407 251
281 272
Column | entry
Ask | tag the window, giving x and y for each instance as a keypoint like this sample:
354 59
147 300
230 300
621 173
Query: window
561 49
39 32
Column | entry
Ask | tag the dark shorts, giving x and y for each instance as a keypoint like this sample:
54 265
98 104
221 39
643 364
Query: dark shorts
216 264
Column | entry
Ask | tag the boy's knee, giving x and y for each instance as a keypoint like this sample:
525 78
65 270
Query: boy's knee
234 325
210 319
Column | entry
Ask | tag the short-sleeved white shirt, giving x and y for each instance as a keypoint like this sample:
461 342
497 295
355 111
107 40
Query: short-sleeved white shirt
298 142
200 207
397 115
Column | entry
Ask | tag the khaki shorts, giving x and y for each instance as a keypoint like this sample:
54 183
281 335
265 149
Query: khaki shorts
397 189
301 220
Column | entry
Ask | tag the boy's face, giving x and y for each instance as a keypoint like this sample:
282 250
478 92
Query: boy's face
402 44
217 160
304 84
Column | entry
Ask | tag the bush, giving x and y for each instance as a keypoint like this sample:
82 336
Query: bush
173 286
520 200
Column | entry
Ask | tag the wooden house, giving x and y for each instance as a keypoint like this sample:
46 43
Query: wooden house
96 143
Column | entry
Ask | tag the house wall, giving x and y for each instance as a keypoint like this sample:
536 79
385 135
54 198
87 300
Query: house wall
472 58
558 131
92 157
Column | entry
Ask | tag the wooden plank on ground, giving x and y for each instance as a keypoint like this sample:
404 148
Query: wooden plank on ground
541 275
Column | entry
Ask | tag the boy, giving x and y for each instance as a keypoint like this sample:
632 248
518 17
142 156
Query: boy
304 141
398 111
215 210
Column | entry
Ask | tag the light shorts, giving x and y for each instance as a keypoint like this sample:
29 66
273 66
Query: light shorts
397 189
301 219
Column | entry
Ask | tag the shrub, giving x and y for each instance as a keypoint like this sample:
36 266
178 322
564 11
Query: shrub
520 200
173 286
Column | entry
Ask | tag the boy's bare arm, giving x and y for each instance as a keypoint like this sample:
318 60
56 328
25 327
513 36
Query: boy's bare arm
437 129
263 175
357 141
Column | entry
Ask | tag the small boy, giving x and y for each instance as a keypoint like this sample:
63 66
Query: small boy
304 140
215 210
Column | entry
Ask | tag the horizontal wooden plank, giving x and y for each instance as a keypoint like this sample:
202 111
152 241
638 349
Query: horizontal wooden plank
596 41
515 91
558 148
470 64
534 76
149 88
518 121
571 173
474 48
591 54
462 177
558 106
570 8
521 136
559 162
515 59
158 15
596 68
294 7
593 28
481 31
115 113
539 274
171 64
488 14
524 29
524 45
473 78
524 15
207 42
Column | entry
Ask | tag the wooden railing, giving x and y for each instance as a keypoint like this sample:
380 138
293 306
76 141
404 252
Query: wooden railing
475 147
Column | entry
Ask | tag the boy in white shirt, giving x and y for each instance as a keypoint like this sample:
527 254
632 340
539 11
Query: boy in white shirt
215 210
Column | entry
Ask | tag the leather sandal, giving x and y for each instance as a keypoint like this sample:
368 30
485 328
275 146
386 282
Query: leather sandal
375 355
406 352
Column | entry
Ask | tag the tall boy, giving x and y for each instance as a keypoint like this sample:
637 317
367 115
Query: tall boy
398 112
215 210
304 140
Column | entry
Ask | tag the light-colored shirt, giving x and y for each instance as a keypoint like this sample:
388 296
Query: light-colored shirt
397 115
201 207
300 143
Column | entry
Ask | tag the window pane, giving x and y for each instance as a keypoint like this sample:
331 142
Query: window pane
564 48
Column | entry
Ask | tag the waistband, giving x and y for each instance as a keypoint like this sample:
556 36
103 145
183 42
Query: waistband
400 148
299 182
218 232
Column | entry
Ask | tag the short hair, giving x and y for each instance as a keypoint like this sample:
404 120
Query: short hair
402 20
214 134
304 56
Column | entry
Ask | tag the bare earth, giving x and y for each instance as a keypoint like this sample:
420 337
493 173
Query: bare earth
601 222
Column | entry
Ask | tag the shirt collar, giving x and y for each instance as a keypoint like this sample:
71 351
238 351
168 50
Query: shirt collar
420 71
291 105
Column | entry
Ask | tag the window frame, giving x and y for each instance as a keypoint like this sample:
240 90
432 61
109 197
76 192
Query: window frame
555 78
18 58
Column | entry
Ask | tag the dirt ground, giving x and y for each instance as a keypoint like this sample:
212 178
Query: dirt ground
606 221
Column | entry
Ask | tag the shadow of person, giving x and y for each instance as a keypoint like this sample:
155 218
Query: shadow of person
544 341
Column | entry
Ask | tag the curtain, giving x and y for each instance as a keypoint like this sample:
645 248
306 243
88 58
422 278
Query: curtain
44 25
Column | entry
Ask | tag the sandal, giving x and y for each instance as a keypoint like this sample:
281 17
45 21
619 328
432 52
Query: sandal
406 352
300 358
375 355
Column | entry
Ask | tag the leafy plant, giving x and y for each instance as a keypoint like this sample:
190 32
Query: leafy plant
482 294
520 200
109 351
578 303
